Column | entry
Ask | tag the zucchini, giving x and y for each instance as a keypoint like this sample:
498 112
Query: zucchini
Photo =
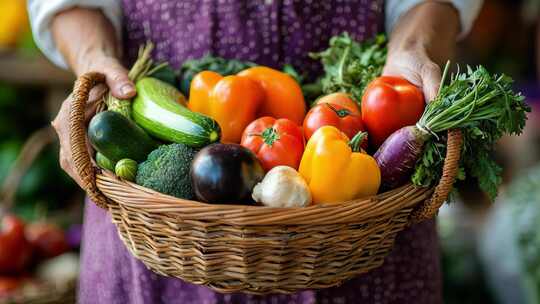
117 137
158 109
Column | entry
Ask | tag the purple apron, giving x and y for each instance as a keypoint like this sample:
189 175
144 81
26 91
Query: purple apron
269 32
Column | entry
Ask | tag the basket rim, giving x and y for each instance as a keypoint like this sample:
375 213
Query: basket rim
132 196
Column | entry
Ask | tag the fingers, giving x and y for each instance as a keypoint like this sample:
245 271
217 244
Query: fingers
94 100
116 76
61 126
405 66
418 70
117 80
431 80
67 165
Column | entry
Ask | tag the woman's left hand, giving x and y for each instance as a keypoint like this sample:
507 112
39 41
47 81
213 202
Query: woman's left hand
422 40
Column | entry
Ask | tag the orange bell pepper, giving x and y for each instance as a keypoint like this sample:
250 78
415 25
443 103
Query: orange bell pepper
233 101
283 95
336 170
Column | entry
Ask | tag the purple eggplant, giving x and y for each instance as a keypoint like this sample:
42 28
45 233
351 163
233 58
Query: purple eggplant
225 173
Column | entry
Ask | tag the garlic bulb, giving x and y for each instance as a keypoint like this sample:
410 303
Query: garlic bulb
282 187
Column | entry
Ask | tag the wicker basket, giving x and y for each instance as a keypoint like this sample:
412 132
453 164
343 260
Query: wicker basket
259 250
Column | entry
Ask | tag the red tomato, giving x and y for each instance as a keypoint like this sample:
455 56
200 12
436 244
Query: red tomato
276 142
47 239
15 251
342 99
327 114
390 103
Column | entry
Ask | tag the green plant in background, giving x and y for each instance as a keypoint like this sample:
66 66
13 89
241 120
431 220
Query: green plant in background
524 197
45 184
27 46
463 274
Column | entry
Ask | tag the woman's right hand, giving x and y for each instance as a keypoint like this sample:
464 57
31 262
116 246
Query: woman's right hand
87 41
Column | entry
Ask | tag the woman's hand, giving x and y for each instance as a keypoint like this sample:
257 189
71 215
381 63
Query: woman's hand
422 40
61 125
87 41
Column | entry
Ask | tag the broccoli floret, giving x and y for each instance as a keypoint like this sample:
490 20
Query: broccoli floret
166 170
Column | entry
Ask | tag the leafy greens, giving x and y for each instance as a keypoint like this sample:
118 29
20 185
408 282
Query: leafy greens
349 66
484 107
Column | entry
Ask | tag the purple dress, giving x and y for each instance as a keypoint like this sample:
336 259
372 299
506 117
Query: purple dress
269 32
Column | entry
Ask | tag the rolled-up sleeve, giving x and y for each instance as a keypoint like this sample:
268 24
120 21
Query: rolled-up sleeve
41 13
468 11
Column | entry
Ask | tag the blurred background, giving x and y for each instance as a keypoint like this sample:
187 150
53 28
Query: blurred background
490 250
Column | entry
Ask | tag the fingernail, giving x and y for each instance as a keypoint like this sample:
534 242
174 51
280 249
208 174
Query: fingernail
127 89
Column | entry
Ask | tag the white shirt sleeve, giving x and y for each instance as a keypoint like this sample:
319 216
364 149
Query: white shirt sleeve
41 13
468 11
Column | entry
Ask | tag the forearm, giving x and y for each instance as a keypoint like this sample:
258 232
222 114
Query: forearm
431 27
83 33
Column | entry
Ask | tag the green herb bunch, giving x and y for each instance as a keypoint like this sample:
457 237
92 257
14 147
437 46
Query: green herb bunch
484 107
349 66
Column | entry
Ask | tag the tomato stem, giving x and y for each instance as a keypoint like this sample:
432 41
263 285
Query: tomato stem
270 135
340 112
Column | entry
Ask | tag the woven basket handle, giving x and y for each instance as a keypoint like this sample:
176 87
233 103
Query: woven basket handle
77 136
450 169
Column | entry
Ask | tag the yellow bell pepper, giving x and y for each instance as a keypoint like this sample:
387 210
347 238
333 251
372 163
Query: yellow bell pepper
13 22
336 170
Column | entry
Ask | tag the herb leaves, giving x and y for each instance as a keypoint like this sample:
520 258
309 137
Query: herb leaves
484 107
349 66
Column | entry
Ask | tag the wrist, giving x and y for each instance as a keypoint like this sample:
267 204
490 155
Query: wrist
85 57
84 36
430 27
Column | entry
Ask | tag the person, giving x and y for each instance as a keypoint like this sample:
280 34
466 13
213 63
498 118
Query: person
85 36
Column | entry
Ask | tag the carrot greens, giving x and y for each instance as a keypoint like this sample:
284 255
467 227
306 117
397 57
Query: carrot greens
484 107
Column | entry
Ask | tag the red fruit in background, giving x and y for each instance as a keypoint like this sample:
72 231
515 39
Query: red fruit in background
47 239
390 103
336 115
9 284
15 251
276 142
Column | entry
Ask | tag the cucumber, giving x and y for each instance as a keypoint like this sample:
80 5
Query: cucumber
158 109
104 163
117 137
127 169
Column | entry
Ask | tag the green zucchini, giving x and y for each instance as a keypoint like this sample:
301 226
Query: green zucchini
117 137
158 110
